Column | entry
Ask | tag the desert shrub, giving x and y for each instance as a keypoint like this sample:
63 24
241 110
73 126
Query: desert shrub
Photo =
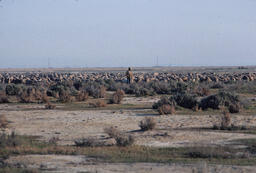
96 91
242 87
179 87
161 87
26 95
50 106
54 94
211 152
5 168
117 97
3 122
40 96
87 142
130 88
32 94
53 141
147 124
246 103
111 85
211 101
186 100
143 88
64 96
217 86
45 98
3 97
234 108
220 99
225 122
82 96
98 103
120 138
124 140
12 89
78 85
2 87
25 98
12 140
56 88
164 101
140 92
227 98
202 91
166 109
112 132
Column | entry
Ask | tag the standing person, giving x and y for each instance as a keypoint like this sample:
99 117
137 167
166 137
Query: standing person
129 76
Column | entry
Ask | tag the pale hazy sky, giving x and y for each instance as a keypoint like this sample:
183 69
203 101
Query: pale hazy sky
88 33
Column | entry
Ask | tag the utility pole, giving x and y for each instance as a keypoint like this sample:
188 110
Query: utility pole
49 63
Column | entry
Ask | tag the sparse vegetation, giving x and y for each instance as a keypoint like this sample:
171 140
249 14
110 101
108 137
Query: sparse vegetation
225 122
95 90
164 101
112 132
147 124
214 152
3 122
12 89
3 97
50 106
165 106
117 97
121 139
64 96
82 96
180 97
186 101
98 104
226 99
166 109
124 140
87 142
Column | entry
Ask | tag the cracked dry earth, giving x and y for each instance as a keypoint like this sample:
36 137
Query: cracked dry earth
171 131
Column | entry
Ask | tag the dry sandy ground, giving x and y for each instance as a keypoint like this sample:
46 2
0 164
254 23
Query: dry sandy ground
55 163
171 131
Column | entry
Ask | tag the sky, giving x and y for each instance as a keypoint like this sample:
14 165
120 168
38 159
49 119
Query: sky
122 33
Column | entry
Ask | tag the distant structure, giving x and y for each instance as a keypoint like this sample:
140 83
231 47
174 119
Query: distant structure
49 65
157 62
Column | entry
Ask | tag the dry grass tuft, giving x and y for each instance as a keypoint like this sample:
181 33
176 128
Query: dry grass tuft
3 98
124 140
82 96
117 97
50 106
112 132
121 139
166 109
147 124
99 103
3 122
87 142
225 120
